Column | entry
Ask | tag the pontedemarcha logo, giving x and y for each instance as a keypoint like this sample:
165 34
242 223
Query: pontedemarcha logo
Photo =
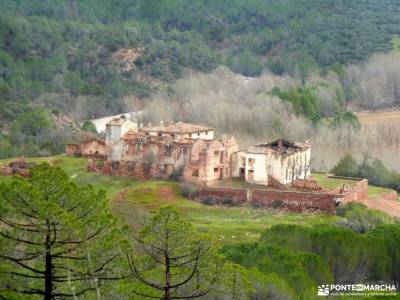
323 290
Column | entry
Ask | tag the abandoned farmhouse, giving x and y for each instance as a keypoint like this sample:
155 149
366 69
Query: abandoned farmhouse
182 149
273 175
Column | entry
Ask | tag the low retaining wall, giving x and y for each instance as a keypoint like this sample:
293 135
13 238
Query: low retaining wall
19 166
285 200
219 195
295 201
6 171
357 192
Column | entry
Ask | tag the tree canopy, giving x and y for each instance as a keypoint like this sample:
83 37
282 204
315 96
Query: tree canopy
57 240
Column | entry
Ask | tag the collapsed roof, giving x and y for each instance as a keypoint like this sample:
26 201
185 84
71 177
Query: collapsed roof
176 128
281 146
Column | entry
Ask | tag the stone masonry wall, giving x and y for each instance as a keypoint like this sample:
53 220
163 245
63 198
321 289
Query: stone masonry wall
239 196
287 200
294 201
357 192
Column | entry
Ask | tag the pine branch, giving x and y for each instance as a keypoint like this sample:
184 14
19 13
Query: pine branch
21 264
136 274
20 240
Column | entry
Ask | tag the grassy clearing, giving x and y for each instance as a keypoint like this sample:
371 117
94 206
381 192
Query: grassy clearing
229 224
76 168
333 183
375 192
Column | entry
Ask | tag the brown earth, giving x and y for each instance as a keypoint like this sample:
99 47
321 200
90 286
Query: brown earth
388 206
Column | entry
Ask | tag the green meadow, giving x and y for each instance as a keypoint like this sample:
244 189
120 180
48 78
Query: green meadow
130 199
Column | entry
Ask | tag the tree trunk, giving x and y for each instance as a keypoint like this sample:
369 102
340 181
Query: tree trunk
48 290
167 294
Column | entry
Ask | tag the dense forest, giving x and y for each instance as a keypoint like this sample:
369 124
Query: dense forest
65 56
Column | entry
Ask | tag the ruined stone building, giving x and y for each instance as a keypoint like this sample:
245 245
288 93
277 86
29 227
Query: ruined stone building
189 150
177 148
277 163
163 150
145 155
180 130
210 160
95 148
115 129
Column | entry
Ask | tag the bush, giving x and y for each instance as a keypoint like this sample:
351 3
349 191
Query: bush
375 171
228 201
89 127
358 217
256 205
188 190
277 204
209 200
176 174
347 166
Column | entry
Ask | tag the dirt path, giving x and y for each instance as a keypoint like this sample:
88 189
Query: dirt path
388 206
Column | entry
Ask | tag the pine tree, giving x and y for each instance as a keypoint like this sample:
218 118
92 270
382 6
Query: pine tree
57 240
174 261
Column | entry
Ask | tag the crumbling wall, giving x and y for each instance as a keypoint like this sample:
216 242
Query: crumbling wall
73 150
307 184
210 160
295 201
95 148
6 171
19 166
275 199
219 195
355 192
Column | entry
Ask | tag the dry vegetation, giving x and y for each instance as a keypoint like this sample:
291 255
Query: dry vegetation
246 108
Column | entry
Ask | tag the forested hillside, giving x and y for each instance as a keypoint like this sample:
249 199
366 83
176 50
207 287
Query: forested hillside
91 58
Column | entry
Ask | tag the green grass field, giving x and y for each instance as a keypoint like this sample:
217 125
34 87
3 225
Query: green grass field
332 183
229 224
76 168
128 197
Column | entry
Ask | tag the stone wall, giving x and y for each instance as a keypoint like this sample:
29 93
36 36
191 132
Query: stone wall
294 201
73 150
6 171
19 167
276 199
307 184
357 192
238 196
